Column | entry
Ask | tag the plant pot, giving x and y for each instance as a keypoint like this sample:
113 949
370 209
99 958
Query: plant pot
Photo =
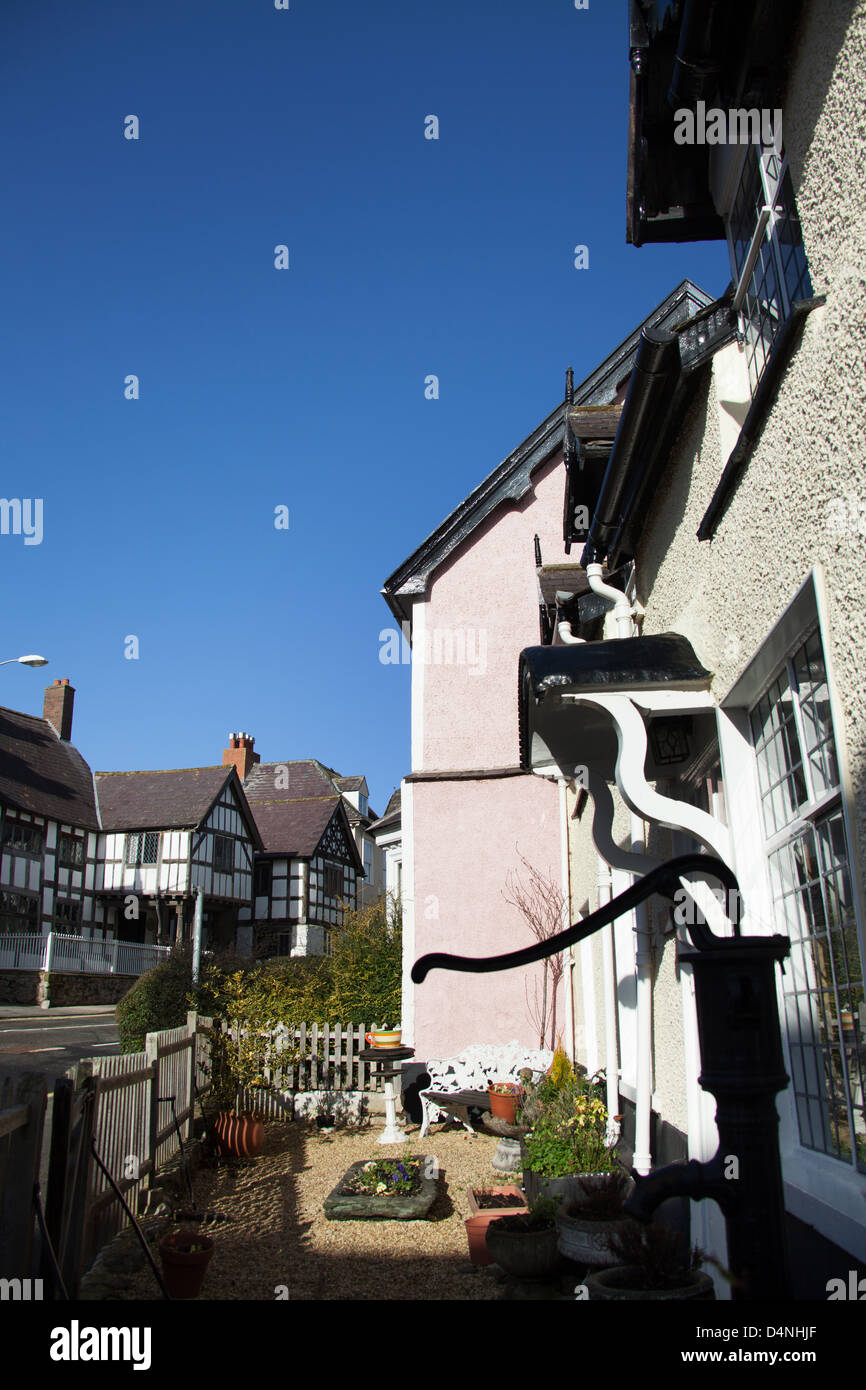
481 1217
239 1135
503 1106
384 1037
622 1284
524 1254
183 1269
585 1242
566 1191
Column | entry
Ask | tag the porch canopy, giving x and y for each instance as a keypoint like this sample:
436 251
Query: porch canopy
567 721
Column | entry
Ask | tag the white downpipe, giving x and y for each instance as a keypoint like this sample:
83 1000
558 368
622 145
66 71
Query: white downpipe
611 1057
567 636
642 1160
566 917
622 610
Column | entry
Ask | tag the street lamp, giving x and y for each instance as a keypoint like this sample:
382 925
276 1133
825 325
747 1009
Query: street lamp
26 660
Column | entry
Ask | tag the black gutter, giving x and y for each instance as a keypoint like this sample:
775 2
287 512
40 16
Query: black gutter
697 65
765 394
655 370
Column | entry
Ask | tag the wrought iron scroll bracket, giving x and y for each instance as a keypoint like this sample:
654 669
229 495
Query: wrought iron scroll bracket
665 880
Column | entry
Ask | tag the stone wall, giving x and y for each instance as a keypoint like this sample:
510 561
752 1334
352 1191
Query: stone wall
56 988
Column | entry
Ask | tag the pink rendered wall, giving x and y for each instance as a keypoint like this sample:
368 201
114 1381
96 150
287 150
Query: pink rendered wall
468 835
490 588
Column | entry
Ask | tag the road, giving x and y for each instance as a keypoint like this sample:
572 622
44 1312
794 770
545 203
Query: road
50 1040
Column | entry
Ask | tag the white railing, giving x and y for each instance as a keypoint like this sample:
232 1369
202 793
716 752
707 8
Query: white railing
78 954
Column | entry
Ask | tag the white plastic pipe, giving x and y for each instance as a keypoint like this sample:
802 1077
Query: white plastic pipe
622 610
567 636
642 1160
611 1056
566 916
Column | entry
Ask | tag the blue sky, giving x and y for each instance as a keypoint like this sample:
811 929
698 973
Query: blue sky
301 388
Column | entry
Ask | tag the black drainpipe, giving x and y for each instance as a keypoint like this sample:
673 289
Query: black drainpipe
657 361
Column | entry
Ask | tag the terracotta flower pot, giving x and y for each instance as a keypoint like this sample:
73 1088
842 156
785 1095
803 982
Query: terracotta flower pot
622 1284
183 1267
481 1217
504 1104
239 1135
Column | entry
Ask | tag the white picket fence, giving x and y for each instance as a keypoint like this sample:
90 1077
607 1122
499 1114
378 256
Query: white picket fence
135 1129
78 954
327 1059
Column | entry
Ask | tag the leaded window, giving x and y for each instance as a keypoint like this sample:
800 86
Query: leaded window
767 254
71 851
223 854
67 915
807 851
19 912
22 836
333 886
142 847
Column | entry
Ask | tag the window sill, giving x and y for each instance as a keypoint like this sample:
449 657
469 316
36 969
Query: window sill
766 391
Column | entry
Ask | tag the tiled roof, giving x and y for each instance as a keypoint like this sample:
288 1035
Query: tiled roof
392 813
350 784
158 800
42 774
293 828
289 781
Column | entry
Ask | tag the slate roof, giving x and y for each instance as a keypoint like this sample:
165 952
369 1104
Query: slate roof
158 800
350 784
42 774
512 480
293 818
392 812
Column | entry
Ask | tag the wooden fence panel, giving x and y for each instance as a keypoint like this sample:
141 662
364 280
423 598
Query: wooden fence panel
22 1113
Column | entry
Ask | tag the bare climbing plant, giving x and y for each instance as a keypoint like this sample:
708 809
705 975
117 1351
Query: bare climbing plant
540 902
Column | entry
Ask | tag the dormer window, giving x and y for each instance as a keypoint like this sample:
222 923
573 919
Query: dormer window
768 260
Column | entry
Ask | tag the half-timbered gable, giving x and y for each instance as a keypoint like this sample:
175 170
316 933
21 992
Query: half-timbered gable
309 868
48 825
167 834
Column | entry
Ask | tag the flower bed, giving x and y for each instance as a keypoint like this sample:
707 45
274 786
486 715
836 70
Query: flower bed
384 1190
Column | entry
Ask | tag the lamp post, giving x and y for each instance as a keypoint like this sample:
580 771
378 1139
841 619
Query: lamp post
26 660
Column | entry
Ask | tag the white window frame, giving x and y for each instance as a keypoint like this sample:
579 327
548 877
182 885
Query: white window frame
820 1189
772 169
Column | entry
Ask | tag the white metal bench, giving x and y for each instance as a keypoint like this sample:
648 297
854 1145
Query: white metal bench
466 1077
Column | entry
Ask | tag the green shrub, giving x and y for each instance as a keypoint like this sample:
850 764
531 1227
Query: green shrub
158 999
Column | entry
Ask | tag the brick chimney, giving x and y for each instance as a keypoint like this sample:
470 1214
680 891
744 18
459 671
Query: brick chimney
57 708
240 755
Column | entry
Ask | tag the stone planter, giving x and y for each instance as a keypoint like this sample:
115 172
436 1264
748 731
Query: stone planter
566 1191
622 1284
476 1224
526 1255
370 1206
586 1242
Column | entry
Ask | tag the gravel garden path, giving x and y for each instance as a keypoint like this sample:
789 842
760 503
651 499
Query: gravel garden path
274 1232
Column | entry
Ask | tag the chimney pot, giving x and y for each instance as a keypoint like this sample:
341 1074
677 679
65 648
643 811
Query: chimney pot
58 706
240 754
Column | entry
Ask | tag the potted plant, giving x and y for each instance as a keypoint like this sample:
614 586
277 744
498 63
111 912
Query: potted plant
487 1204
185 1256
570 1136
585 1227
524 1244
652 1262
504 1099
235 1067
